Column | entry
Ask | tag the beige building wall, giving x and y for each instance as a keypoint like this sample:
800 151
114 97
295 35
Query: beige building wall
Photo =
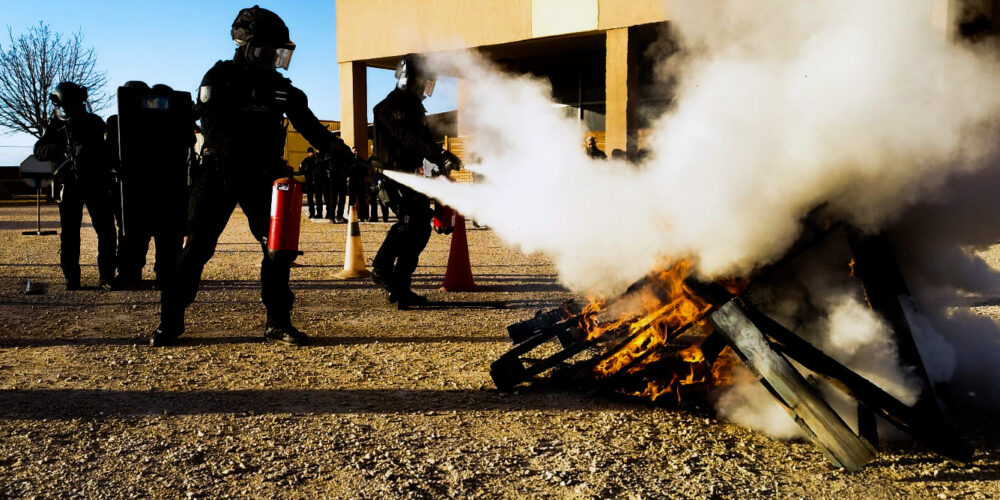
296 145
376 29
372 29
378 32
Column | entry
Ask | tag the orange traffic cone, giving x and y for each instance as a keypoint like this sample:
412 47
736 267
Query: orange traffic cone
354 255
458 276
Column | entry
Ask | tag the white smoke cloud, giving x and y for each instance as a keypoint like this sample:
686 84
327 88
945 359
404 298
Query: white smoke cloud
780 106
748 403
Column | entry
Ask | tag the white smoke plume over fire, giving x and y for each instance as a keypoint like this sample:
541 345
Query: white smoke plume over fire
779 107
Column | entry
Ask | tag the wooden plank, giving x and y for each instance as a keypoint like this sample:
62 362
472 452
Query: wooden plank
821 424
926 427
876 268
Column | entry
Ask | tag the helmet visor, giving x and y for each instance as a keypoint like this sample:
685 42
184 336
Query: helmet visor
273 57
282 58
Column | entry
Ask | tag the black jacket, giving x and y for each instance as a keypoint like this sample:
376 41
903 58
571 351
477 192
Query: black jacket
402 139
308 167
86 131
242 108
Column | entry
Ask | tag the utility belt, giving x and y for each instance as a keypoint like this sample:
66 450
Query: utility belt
216 162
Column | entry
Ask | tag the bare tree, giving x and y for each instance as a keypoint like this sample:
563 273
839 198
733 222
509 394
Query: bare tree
32 65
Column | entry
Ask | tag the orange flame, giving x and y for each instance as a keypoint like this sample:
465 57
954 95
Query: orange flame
664 309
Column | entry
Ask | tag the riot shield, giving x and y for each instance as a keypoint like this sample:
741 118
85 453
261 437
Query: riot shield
155 132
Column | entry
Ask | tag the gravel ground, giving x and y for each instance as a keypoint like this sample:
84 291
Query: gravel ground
384 404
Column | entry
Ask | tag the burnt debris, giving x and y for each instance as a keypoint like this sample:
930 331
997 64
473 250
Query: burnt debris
619 347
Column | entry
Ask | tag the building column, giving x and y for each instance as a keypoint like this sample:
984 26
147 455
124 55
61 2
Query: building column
621 79
354 105
461 124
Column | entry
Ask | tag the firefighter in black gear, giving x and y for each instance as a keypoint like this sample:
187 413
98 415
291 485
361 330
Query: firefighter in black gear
242 103
74 139
402 141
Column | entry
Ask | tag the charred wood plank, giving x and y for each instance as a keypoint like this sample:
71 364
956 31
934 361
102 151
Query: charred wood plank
823 426
926 427
867 425
509 370
876 268
523 330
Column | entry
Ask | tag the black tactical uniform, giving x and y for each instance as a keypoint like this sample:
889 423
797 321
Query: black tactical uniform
402 141
313 186
336 189
77 135
357 186
374 203
242 104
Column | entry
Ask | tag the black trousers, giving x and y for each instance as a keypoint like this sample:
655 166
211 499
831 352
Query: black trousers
399 254
358 192
156 212
133 250
336 197
373 206
213 199
100 206
315 196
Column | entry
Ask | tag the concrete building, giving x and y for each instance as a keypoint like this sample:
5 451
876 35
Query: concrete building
296 145
593 51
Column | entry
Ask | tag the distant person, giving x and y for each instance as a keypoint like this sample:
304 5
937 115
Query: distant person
313 187
357 186
374 201
593 151
242 104
335 177
75 140
402 141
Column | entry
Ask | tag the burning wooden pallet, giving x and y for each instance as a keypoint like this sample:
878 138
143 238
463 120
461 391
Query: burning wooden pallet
668 334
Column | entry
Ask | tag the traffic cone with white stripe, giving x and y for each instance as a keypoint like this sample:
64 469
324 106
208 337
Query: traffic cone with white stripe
354 255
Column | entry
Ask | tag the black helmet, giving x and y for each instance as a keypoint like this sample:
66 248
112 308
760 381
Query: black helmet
69 99
413 76
136 84
264 36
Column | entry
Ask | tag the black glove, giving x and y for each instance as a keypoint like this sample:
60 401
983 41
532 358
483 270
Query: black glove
450 163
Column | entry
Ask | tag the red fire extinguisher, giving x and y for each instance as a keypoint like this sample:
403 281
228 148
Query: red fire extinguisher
286 214
444 219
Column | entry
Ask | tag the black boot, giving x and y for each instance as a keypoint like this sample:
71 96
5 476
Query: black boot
405 298
281 329
381 278
165 334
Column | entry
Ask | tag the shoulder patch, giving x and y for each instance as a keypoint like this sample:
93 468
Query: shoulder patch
205 93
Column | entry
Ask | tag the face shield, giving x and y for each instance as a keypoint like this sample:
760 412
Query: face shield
422 87
64 113
429 87
69 102
274 57
60 113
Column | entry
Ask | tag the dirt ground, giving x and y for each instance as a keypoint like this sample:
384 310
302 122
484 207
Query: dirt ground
384 404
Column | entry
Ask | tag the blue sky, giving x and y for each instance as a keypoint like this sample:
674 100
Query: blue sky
176 42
